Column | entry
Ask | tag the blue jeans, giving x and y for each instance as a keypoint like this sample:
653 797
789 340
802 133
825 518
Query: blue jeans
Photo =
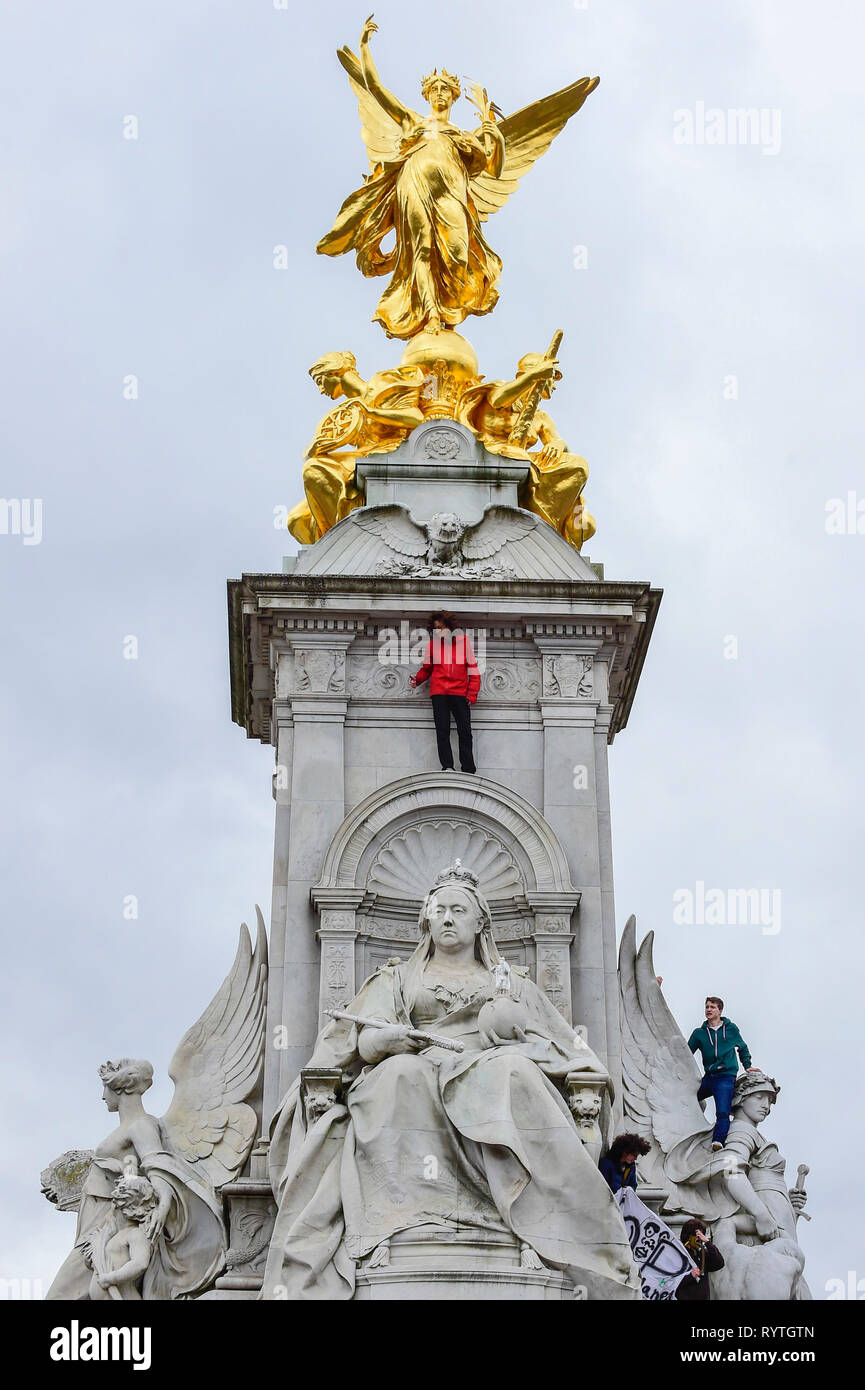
719 1085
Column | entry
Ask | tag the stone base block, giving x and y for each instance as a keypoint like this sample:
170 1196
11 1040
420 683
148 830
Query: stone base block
427 1263
427 1285
222 1295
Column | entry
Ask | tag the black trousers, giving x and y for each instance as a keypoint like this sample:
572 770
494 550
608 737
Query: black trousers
457 705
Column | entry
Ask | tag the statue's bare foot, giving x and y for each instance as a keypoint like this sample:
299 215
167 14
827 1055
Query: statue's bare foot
434 325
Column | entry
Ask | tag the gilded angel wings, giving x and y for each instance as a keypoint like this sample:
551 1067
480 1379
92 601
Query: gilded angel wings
217 1065
527 134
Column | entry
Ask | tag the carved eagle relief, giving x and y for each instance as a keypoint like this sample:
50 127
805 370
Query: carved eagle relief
445 543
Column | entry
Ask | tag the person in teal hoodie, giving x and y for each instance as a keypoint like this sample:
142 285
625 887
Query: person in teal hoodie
718 1042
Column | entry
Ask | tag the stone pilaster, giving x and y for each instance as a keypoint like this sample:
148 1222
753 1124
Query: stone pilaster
571 678
337 934
311 684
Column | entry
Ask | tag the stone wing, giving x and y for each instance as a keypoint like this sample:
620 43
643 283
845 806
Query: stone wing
660 1075
528 134
395 527
500 525
217 1065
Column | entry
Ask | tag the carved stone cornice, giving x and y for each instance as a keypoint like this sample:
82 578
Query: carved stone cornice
270 612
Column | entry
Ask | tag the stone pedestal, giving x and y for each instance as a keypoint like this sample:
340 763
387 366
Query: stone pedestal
321 660
436 1266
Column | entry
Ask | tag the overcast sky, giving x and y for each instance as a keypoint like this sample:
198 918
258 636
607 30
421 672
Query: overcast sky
713 367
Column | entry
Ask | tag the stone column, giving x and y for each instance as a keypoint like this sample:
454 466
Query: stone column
311 676
613 1057
569 711
282 732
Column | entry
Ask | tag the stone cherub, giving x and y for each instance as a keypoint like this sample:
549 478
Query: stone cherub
185 1157
433 184
445 544
739 1190
119 1252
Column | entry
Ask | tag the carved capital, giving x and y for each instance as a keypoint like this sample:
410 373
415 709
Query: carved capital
319 671
568 676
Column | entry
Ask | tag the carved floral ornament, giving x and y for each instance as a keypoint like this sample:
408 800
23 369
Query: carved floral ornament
515 680
442 444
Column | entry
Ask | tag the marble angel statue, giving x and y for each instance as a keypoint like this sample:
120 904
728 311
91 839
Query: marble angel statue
484 1109
740 1191
150 1204
433 184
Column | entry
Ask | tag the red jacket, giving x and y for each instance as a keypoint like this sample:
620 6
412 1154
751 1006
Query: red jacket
449 663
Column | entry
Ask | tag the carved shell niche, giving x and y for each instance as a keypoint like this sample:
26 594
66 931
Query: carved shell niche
407 865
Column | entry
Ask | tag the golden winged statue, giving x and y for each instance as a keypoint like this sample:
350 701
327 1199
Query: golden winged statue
433 184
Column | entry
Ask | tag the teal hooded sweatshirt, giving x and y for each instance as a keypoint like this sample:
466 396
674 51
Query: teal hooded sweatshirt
718 1048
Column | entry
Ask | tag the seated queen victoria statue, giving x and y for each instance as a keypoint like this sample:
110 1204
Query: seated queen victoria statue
474 1136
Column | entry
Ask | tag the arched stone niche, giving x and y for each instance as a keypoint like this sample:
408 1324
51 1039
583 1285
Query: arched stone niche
387 852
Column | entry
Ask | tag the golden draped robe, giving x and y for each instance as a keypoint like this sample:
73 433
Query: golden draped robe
441 262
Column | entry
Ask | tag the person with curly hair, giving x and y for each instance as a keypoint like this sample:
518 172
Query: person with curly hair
619 1167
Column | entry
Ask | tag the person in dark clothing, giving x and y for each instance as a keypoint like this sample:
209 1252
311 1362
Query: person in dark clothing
620 1165
718 1041
694 1288
450 666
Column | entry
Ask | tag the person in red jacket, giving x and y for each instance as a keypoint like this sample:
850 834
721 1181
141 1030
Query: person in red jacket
450 666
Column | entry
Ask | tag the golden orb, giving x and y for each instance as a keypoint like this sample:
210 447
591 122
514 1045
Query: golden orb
426 350
449 364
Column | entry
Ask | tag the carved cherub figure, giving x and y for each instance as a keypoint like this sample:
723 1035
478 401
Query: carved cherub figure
120 1251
